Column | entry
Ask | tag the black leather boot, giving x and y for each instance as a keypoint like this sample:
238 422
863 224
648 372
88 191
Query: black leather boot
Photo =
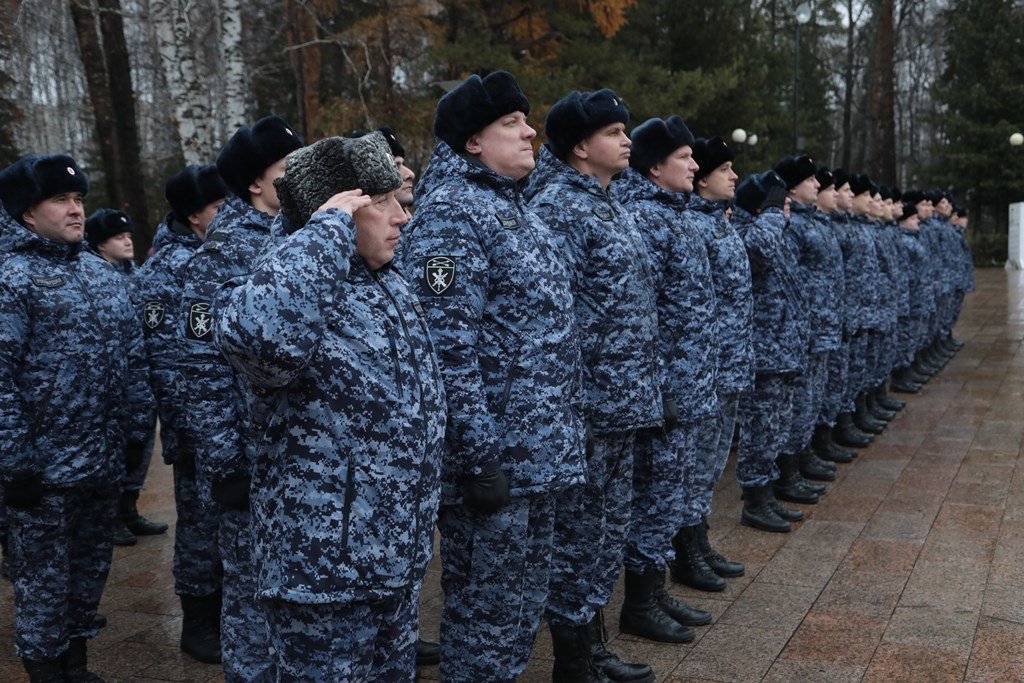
43 672
846 433
863 419
690 568
75 665
790 486
901 382
876 410
813 467
759 510
916 377
200 627
573 661
427 653
721 566
642 616
608 662
681 612
828 450
888 402
136 523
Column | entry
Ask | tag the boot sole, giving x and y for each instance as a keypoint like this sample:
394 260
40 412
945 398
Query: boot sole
818 477
204 660
760 527
706 589
687 637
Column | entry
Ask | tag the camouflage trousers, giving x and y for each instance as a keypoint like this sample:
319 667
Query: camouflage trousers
808 394
244 640
858 367
60 558
711 453
494 573
764 423
591 524
197 568
834 400
344 642
660 485
907 334
134 480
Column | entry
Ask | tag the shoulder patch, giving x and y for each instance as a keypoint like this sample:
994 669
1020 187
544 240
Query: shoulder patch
604 214
50 282
438 275
153 314
200 322
508 220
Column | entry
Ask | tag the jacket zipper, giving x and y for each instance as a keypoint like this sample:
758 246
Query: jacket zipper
507 391
349 495
394 359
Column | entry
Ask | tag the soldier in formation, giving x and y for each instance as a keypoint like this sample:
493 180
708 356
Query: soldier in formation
546 358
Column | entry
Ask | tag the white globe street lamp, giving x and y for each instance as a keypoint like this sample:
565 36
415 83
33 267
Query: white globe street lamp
1017 139
752 139
739 136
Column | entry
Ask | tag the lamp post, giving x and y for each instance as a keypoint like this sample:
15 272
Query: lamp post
743 139
803 15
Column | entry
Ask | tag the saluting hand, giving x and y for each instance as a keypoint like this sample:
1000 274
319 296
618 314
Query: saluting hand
349 201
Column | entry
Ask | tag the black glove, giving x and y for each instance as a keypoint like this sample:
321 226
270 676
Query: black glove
25 492
133 453
776 198
233 492
486 493
671 410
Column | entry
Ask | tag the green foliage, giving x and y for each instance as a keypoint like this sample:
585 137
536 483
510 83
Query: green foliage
982 96
988 248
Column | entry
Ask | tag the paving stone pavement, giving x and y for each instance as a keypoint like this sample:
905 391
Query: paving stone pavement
910 569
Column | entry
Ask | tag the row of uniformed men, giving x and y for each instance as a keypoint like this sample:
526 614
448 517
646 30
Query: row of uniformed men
555 386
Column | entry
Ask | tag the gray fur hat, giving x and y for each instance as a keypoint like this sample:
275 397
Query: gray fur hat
315 173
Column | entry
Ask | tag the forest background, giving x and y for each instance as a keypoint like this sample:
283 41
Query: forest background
917 93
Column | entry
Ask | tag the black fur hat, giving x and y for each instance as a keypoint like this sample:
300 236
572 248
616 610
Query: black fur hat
710 153
314 174
841 177
751 193
655 139
31 179
826 178
578 115
475 104
908 211
914 197
795 170
250 151
389 134
106 223
861 183
192 188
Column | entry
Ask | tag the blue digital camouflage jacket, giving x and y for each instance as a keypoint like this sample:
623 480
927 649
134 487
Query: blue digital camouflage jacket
615 299
74 387
498 303
351 409
687 327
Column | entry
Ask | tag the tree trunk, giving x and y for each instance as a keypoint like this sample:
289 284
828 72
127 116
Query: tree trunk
192 111
305 65
130 178
83 14
233 59
883 80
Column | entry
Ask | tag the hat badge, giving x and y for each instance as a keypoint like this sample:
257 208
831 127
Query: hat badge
289 131
71 171
123 219
615 102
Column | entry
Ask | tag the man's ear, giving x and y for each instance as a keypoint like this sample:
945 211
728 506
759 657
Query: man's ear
579 150
473 145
